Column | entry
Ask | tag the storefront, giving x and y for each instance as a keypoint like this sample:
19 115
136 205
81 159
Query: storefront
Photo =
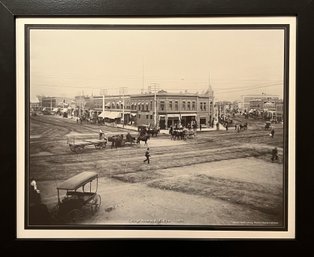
172 120
187 118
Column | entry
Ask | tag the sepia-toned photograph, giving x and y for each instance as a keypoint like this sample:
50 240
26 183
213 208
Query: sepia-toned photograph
156 125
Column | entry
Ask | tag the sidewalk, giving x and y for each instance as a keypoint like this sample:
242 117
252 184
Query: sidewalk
166 131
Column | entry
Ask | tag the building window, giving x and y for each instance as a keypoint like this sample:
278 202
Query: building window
162 105
170 105
189 106
204 106
176 106
139 116
146 106
147 117
193 106
201 106
142 106
139 106
151 105
183 105
151 117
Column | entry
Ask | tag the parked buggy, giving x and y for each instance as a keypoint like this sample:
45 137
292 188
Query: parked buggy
76 195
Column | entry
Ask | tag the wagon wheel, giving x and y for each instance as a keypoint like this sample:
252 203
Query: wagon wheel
55 213
95 203
74 215
79 149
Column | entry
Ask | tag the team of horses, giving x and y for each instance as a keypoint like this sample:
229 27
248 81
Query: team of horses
120 140
181 134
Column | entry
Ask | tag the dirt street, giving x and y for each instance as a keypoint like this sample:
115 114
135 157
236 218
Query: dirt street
217 178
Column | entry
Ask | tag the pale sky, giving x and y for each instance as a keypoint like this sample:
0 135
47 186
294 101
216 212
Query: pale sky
238 62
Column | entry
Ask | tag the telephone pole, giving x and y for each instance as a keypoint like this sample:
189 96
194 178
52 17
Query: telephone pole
123 91
155 88
103 92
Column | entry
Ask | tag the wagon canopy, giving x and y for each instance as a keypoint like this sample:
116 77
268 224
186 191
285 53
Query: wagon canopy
78 180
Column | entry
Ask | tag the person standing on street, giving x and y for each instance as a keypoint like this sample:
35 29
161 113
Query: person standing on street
147 155
274 154
101 133
272 132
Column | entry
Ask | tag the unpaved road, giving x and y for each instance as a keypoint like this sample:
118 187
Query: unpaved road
218 178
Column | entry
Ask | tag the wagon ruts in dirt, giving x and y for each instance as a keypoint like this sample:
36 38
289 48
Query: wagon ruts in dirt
79 146
77 197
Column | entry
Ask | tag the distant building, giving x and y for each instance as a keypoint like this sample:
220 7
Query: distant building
112 105
54 102
279 111
35 104
257 100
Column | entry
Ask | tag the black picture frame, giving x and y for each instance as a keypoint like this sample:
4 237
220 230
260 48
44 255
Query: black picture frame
303 10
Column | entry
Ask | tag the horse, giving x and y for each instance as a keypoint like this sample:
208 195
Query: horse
129 138
143 138
116 141
177 134
153 131
243 127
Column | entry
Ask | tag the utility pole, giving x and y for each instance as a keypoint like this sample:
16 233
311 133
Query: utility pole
142 91
103 92
123 91
155 87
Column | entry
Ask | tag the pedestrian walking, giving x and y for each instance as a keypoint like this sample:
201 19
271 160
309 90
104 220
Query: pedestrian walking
147 155
217 126
272 132
101 133
226 125
274 154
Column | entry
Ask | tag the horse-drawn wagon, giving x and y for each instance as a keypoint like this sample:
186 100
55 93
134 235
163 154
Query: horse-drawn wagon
79 146
76 195
181 133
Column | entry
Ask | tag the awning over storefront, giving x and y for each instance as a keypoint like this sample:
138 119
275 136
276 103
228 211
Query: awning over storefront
188 114
110 115
173 115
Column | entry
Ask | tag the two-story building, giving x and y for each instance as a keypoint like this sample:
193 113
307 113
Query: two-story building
168 109
162 109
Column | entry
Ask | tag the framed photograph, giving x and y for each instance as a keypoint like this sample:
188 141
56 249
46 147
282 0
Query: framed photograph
177 127
177 121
